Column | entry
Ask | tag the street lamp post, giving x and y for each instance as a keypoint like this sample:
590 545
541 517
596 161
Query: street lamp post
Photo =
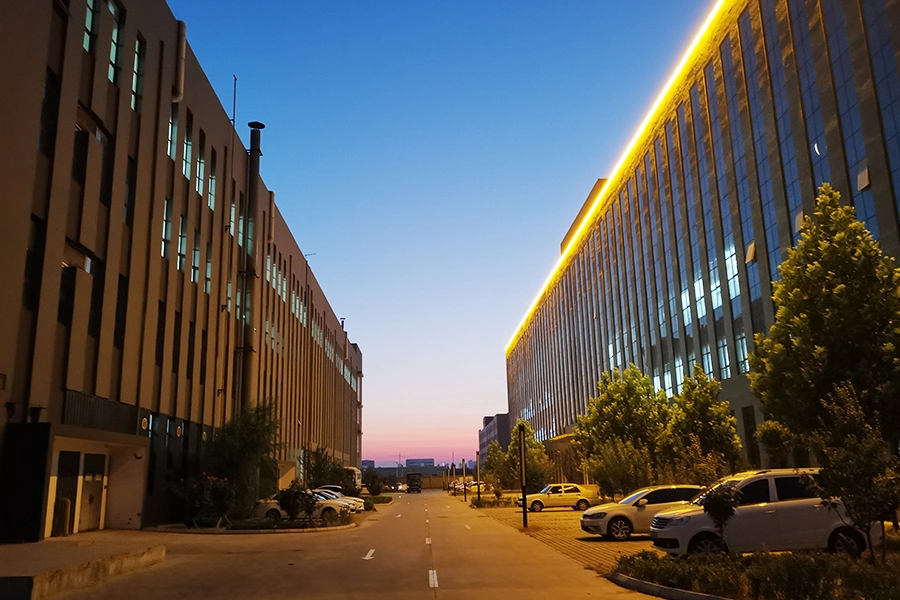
478 473
465 489
522 473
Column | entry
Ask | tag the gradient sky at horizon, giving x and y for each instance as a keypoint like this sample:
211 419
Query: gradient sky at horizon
430 156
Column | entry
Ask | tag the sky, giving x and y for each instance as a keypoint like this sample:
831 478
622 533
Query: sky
429 156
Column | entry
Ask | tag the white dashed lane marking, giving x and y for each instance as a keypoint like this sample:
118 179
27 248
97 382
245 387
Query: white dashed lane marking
428 541
432 578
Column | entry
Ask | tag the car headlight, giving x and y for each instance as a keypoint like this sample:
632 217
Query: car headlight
598 515
678 521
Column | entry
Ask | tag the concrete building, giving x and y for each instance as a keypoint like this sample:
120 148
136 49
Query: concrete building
419 462
670 260
152 288
494 428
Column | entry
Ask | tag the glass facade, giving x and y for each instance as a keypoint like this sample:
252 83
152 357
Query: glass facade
673 264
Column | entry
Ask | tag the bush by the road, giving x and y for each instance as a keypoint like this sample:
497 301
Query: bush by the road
487 502
786 576
380 499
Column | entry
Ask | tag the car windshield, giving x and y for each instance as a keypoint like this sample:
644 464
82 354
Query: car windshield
632 497
545 490
699 500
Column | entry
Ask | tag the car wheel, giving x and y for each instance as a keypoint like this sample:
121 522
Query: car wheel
273 514
328 513
619 529
705 543
582 505
846 541
536 506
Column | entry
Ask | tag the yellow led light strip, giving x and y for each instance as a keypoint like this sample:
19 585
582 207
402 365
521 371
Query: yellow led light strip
579 233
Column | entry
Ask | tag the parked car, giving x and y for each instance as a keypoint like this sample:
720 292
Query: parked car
633 514
357 502
269 509
352 504
562 495
776 511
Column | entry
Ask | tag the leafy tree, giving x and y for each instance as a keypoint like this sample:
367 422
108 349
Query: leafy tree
372 482
290 499
698 418
720 503
537 466
495 465
619 466
628 412
779 442
320 468
690 464
242 448
837 320
857 466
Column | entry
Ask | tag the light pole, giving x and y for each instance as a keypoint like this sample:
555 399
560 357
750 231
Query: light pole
478 473
465 489
522 473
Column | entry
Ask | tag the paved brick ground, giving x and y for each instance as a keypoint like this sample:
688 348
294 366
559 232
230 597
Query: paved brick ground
561 530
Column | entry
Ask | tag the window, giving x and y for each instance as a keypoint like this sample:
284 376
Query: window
240 238
188 145
201 164
137 78
34 265
182 243
160 334
121 313
792 488
114 46
167 228
195 258
660 497
173 130
685 494
211 190
207 283
90 25
231 222
49 114
756 492
130 190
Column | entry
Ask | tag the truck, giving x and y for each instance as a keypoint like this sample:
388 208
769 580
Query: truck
413 483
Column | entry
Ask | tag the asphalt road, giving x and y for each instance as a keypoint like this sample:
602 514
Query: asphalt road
421 546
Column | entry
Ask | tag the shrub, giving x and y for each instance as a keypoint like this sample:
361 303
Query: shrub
368 504
295 500
380 499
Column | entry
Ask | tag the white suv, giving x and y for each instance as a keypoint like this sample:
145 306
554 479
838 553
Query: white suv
776 512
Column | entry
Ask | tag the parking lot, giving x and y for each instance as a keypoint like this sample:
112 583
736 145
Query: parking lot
560 529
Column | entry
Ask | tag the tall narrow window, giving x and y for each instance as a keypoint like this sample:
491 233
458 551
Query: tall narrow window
49 114
121 306
90 25
208 282
137 77
201 164
167 228
188 145
231 223
130 176
241 220
211 190
173 130
114 46
182 242
195 258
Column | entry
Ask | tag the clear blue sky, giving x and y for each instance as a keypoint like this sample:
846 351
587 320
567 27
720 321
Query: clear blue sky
432 155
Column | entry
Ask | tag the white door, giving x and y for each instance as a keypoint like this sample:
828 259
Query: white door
754 525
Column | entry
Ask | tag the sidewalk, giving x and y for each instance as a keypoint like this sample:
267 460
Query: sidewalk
43 569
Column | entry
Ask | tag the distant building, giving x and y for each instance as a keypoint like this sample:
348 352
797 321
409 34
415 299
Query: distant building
419 462
494 428
368 464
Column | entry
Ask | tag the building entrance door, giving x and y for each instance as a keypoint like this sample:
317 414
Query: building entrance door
92 492
66 492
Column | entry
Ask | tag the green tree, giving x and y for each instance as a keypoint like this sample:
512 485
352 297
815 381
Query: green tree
837 320
779 442
697 417
857 465
537 465
495 465
619 466
372 482
243 448
320 468
628 411
720 503
691 464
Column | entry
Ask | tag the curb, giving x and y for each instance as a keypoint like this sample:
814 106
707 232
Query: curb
45 585
222 531
660 591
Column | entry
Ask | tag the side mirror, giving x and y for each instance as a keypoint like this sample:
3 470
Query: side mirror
641 502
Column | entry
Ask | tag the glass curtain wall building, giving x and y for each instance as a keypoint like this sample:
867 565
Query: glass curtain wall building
670 261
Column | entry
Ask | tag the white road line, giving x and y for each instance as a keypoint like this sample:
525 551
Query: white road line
467 527
369 555
432 578
428 541
398 516
426 520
